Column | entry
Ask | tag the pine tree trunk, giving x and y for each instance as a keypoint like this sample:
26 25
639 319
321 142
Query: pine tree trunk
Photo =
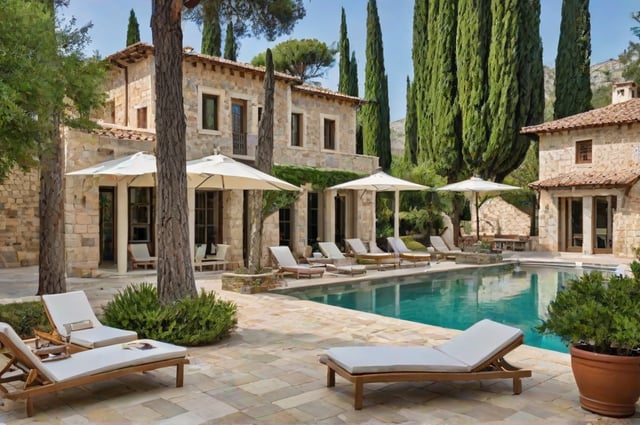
175 271
51 267
264 162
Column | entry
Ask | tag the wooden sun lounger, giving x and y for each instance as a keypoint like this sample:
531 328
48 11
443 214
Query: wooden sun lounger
23 375
418 364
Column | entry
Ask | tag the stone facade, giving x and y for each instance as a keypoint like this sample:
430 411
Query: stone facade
614 147
498 217
128 120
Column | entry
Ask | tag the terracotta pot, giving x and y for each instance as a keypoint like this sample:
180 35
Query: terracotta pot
609 385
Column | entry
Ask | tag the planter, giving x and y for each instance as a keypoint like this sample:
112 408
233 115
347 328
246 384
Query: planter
609 385
246 283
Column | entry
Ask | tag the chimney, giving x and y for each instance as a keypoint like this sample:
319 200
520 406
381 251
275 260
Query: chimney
624 91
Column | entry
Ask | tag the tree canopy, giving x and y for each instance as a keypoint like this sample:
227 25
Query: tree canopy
631 56
257 18
306 59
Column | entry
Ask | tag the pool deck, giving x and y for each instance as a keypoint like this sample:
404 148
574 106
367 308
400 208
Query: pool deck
268 371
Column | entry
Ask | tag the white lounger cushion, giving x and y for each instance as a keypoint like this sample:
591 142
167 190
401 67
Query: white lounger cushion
381 359
73 307
101 336
109 358
480 342
463 353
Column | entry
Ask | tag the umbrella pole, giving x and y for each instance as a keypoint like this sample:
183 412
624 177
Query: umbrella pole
396 215
477 218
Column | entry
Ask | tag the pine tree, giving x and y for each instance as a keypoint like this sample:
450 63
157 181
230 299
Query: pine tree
343 64
230 44
472 53
410 127
211 32
133 30
573 60
375 114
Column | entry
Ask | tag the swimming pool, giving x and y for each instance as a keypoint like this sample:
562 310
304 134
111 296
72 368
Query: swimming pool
457 299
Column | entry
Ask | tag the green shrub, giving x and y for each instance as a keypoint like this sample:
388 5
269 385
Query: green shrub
200 320
24 317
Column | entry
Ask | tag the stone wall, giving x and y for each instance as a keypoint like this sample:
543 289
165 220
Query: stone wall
19 219
498 217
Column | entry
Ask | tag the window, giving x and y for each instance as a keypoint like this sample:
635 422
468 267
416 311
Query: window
142 117
209 111
313 218
329 134
583 152
208 212
296 129
140 214
285 223
239 126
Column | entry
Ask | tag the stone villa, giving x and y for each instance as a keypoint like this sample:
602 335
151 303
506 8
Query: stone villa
313 127
588 178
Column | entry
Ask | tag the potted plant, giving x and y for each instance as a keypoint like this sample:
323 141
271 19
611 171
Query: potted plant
600 320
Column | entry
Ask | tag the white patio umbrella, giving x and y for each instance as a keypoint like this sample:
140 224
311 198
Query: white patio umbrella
140 165
383 182
221 172
475 186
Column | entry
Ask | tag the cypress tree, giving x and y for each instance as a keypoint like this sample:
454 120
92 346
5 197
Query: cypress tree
410 127
133 29
211 31
442 143
503 85
375 114
353 76
420 74
472 52
344 65
230 45
573 60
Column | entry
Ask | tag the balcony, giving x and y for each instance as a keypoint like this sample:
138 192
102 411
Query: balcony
240 143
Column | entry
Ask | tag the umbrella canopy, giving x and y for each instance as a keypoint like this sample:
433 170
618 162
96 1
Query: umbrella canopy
383 182
141 165
221 172
476 185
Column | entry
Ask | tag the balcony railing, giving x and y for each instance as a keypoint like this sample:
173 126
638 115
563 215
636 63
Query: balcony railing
239 143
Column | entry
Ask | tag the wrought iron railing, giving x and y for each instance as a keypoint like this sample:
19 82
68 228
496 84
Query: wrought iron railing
239 143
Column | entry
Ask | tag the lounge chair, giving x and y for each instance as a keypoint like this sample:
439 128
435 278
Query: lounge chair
340 263
287 263
74 321
381 259
139 253
442 249
219 259
41 376
416 258
475 354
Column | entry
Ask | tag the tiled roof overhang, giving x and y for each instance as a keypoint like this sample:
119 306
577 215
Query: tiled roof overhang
621 113
589 179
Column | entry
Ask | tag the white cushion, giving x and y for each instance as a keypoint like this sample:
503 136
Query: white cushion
480 342
101 336
69 307
372 359
110 358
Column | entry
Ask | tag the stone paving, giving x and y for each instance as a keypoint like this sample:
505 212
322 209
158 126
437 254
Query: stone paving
268 371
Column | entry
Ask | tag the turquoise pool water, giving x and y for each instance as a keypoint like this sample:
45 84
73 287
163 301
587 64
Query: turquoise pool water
457 299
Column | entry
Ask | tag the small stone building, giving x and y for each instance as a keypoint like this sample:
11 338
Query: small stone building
313 127
589 171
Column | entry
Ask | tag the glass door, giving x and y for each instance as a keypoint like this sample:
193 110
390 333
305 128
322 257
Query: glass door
603 209
571 230
107 225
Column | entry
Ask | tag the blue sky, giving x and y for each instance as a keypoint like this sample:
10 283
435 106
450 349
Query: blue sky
610 33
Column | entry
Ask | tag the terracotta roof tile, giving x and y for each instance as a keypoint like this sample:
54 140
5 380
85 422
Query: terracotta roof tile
618 113
608 178
124 134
